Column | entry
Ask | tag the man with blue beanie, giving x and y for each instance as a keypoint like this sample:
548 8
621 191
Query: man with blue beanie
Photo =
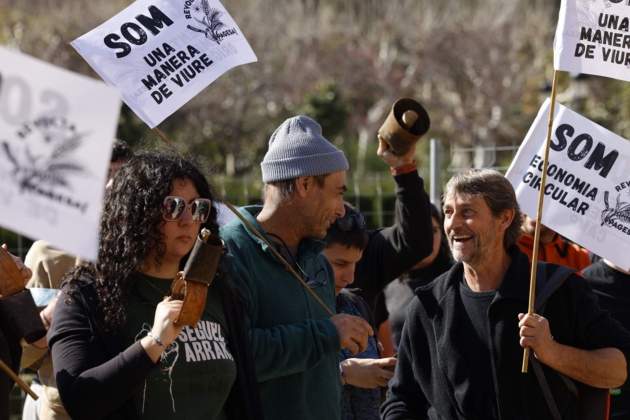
295 342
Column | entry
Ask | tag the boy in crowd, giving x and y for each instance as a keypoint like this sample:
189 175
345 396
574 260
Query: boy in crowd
364 374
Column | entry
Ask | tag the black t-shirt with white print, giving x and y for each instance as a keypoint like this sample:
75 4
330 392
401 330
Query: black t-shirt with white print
196 372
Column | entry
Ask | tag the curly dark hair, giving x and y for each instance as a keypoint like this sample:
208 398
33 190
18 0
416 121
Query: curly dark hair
130 226
120 151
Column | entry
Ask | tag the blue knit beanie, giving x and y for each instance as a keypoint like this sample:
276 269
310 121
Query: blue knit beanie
297 148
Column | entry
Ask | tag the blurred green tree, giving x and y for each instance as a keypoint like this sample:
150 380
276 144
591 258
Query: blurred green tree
326 105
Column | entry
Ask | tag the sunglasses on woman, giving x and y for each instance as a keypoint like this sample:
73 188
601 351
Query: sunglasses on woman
174 207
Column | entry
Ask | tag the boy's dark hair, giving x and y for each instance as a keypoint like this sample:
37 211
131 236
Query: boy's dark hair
349 230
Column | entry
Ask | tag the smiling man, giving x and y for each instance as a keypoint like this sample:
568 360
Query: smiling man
295 343
461 346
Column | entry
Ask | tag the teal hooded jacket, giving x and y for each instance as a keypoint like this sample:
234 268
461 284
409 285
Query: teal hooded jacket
295 345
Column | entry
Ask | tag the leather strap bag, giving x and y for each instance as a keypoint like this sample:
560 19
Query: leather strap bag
11 280
191 285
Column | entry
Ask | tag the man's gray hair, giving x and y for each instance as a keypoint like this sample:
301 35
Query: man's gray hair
497 192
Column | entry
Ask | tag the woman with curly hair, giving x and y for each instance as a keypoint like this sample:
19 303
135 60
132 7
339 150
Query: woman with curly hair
116 351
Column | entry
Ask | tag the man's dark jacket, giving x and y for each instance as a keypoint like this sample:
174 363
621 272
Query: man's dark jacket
431 380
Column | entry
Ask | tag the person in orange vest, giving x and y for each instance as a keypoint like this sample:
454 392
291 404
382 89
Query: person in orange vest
553 247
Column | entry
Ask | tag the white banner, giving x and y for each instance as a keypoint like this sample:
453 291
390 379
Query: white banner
587 195
593 36
161 53
56 135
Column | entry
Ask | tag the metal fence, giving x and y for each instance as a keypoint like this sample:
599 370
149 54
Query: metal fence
372 194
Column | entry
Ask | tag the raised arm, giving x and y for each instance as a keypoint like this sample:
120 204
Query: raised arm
395 249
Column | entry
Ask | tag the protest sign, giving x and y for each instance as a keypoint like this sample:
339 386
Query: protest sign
593 36
161 53
56 135
587 195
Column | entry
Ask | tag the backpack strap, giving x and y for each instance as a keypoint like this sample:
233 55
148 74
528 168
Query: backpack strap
544 386
546 287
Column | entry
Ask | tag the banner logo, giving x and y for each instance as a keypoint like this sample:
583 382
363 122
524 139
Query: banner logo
617 216
208 20
44 157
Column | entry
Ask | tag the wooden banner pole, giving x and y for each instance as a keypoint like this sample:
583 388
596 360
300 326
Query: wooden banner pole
162 136
541 198
7 370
